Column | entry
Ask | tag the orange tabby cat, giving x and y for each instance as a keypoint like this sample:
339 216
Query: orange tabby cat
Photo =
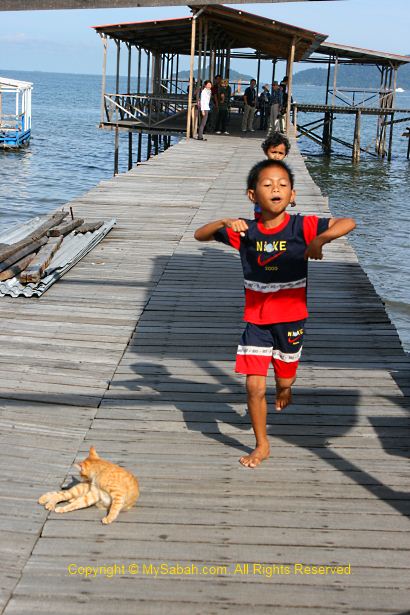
104 484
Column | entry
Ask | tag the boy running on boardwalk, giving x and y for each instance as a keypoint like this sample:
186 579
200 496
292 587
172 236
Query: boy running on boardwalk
274 252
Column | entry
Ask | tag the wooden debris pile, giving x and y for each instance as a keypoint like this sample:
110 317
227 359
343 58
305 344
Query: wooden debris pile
30 257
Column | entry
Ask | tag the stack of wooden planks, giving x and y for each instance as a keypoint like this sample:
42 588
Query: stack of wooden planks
30 257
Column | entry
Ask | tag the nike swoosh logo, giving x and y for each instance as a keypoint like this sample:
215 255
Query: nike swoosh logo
269 259
292 340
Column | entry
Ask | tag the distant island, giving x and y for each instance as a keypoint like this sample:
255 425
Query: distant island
351 76
233 75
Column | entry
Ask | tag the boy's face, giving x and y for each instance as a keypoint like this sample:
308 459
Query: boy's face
273 191
276 152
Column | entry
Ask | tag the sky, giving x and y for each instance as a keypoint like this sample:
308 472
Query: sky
63 41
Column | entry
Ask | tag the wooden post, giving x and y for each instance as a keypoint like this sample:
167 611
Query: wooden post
273 70
356 141
104 73
390 138
117 88
295 118
384 117
205 45
156 73
379 117
139 147
129 102
200 36
326 120
191 77
335 80
176 74
328 81
171 82
228 63
289 85
147 76
211 61
408 145
258 74
139 71
327 132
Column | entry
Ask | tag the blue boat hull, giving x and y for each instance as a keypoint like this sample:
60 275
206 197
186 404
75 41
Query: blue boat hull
15 139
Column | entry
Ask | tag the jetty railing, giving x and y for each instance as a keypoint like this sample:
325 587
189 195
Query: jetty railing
145 111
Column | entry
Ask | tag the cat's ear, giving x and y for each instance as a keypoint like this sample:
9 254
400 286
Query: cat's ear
93 453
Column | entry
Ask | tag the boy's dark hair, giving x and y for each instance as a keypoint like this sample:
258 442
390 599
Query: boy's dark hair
264 164
277 138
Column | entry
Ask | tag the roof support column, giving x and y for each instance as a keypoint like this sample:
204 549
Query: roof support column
139 71
191 77
273 70
291 59
129 106
104 75
205 46
228 63
335 80
200 50
258 74
117 89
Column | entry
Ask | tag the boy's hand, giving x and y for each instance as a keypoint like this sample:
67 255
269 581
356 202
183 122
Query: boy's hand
237 225
314 249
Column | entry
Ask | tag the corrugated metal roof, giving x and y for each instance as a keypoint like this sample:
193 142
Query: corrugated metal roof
240 28
361 55
73 248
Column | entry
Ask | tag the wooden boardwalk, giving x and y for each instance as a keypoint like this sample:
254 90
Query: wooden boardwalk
133 351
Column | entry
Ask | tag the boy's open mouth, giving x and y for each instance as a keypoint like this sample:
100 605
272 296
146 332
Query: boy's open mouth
275 199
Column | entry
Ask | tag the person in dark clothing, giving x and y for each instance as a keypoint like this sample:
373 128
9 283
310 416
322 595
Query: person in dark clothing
264 107
276 108
223 97
249 111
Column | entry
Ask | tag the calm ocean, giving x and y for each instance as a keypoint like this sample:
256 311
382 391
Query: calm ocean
68 155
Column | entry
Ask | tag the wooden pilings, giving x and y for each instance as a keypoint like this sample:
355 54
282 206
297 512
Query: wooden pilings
356 139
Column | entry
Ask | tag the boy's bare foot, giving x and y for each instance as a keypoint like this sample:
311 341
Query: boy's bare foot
283 398
260 453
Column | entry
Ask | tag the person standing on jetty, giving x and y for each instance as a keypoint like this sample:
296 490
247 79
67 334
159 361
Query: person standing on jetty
276 106
274 253
204 108
249 108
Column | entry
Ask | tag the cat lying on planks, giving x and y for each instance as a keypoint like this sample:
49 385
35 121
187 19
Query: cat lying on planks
103 483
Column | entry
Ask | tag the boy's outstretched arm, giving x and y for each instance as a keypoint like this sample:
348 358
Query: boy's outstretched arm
337 228
207 232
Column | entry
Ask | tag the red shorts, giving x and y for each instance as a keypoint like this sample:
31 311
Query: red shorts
279 344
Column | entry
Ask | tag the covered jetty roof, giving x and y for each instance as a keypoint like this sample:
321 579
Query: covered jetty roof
356 55
238 29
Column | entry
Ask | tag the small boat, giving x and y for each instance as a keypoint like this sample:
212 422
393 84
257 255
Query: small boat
400 90
15 113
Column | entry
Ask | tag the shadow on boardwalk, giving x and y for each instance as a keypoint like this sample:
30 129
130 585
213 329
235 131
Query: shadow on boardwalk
198 291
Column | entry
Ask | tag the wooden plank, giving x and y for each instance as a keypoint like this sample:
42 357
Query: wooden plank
39 264
65 228
42 230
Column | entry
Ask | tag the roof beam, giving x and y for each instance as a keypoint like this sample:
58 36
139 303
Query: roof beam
46 5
